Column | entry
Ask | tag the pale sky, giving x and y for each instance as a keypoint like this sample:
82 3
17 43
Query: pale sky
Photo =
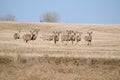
70 11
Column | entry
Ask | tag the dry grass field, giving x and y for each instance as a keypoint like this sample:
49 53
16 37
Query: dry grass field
44 60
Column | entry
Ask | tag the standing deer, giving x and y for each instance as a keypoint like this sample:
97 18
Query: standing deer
72 36
69 35
64 37
17 35
88 38
32 36
78 36
56 36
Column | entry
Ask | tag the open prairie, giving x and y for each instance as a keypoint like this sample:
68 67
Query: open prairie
44 60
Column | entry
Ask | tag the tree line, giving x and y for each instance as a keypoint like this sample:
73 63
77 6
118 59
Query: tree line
46 17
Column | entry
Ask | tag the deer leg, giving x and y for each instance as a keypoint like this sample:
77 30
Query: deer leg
76 42
26 41
72 42
55 41
88 44
66 42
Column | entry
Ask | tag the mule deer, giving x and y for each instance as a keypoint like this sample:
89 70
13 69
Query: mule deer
32 36
17 35
67 36
78 36
56 36
88 38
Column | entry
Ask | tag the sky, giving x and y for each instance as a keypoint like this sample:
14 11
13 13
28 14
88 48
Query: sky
69 11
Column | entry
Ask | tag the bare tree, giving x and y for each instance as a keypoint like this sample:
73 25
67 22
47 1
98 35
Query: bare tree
7 17
49 17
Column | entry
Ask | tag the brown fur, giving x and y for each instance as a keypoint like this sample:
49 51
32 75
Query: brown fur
88 38
78 36
17 35
32 36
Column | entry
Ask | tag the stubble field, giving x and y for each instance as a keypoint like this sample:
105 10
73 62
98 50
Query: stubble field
44 60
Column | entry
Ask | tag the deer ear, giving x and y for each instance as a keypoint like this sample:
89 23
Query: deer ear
18 30
30 31
37 31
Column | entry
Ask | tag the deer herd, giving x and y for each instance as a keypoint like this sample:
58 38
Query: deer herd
56 36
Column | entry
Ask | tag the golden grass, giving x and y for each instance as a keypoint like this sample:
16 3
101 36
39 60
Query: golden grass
53 68
43 60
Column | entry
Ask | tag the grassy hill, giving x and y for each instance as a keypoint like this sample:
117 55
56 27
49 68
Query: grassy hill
44 60
106 41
